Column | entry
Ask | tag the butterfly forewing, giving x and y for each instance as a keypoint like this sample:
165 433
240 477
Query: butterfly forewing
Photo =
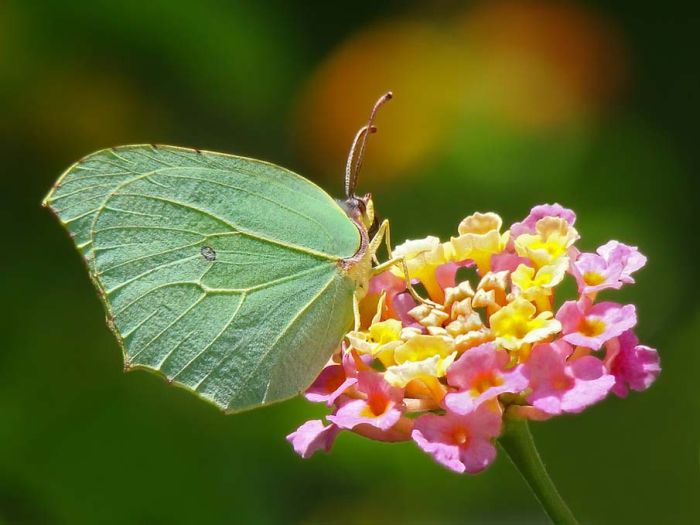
221 272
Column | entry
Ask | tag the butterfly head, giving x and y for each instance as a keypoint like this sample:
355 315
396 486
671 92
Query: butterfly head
360 210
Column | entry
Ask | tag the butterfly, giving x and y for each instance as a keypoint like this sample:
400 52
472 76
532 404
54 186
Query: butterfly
232 277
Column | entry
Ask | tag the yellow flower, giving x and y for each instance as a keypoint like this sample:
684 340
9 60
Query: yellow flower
515 324
424 357
491 291
473 338
422 257
533 283
379 341
551 241
428 316
479 238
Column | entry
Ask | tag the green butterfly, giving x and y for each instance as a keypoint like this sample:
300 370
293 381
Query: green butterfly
232 277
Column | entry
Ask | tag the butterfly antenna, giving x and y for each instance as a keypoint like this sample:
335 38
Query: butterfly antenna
350 174
359 144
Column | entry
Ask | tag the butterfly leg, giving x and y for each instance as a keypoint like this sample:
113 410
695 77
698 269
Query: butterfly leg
383 234
356 311
376 241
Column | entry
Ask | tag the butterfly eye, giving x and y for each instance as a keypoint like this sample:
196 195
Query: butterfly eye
354 207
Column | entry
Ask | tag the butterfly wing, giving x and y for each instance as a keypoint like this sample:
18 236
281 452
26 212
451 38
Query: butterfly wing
220 272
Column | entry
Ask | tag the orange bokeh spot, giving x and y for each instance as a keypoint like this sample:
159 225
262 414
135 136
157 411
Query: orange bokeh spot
541 63
528 65
416 62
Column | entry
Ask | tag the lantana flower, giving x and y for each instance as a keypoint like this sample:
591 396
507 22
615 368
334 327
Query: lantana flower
380 340
518 324
422 257
421 357
480 375
628 256
634 366
611 267
380 405
532 283
450 372
551 240
591 325
559 384
463 443
313 436
479 238
540 212
331 383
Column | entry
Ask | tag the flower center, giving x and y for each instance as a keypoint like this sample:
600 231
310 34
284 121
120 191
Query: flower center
553 248
484 381
460 436
376 405
591 327
561 382
520 328
334 382
593 278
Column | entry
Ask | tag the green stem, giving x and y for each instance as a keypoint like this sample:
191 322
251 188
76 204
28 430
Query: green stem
518 443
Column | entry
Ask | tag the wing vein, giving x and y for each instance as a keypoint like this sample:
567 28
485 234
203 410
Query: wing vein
227 325
259 195
284 331
169 326
150 271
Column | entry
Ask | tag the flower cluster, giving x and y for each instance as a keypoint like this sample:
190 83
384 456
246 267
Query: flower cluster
443 371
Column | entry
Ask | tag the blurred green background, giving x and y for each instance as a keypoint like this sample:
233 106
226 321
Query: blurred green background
500 105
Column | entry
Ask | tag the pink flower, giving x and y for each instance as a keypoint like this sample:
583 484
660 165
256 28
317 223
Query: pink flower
591 326
508 261
446 273
480 373
462 443
386 282
330 384
382 407
560 386
628 256
353 362
593 273
312 436
611 267
634 366
404 303
539 212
